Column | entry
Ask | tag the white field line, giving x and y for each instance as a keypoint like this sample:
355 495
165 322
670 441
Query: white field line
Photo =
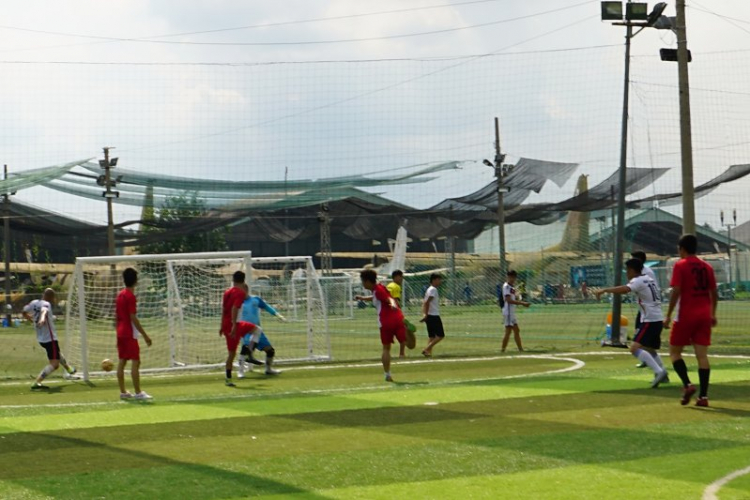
395 362
577 364
710 492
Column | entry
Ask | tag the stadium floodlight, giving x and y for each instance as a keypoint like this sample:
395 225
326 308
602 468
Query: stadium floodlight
488 163
656 13
611 11
113 162
636 11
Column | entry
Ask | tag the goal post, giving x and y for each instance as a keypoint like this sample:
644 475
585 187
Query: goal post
179 305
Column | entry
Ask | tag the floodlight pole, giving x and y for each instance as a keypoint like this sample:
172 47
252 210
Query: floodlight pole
686 138
622 180
499 159
6 247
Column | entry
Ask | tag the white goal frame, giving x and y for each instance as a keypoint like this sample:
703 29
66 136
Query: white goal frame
316 321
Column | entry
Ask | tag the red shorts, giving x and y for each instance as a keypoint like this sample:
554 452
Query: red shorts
691 331
128 348
395 330
243 328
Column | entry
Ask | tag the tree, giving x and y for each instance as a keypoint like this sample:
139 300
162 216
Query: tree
179 212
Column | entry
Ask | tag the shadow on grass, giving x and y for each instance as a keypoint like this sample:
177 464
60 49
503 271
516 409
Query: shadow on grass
131 474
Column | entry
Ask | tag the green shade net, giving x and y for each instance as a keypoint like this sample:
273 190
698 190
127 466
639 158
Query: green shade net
135 187
40 176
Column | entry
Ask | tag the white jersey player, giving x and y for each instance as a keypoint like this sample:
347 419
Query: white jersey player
40 313
511 299
647 339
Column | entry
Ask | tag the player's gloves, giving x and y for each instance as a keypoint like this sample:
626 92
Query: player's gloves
281 318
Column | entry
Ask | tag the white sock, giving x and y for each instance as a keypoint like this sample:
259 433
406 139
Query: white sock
659 362
45 372
650 361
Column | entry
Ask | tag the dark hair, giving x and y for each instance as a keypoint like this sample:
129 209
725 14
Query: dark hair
689 243
639 255
397 272
512 273
238 277
435 276
635 264
130 277
369 276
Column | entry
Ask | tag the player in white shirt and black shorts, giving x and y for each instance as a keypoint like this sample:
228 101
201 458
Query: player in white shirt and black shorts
647 340
647 271
431 315
510 301
39 312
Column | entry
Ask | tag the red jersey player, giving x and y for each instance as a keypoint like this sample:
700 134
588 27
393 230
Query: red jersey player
390 317
128 331
694 289
231 329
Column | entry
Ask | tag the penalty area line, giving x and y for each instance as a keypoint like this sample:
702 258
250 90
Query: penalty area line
712 489
577 364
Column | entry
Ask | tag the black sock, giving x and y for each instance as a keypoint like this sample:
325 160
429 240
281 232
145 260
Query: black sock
704 374
229 373
681 370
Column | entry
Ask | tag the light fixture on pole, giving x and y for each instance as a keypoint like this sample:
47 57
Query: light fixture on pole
636 16
501 171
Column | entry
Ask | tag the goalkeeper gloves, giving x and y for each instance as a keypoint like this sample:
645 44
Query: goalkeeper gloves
281 318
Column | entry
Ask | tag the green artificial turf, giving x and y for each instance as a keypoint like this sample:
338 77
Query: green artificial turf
500 427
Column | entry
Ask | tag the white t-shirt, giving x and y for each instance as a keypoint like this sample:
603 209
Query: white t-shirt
434 308
508 290
46 332
647 271
649 298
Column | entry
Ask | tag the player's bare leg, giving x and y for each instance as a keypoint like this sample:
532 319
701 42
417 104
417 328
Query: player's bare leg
386 359
124 393
432 343
46 371
135 374
402 350
506 338
517 337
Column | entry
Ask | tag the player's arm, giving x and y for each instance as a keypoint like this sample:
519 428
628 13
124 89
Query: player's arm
620 290
508 300
674 298
363 298
235 313
426 307
270 309
137 324
26 313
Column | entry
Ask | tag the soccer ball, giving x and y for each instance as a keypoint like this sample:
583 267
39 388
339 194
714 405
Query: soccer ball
107 365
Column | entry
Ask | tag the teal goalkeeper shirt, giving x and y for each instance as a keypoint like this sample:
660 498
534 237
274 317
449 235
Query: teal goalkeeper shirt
251 309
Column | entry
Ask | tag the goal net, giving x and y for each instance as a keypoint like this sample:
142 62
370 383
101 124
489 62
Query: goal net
179 305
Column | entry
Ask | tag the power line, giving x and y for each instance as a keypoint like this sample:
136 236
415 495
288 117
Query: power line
104 39
314 61
365 94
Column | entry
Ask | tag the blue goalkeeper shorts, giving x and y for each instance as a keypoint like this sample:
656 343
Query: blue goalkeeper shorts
262 343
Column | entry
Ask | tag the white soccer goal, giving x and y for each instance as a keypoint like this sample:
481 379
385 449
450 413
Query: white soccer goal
338 293
179 305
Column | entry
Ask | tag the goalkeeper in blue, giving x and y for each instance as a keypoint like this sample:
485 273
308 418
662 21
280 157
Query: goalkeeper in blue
250 312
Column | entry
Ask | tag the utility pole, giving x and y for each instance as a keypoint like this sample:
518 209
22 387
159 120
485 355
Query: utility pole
686 138
326 259
729 227
6 248
286 211
500 171
108 194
